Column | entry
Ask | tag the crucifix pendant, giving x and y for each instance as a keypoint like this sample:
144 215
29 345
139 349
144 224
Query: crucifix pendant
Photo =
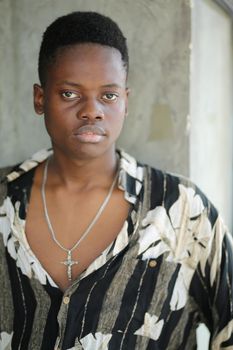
69 263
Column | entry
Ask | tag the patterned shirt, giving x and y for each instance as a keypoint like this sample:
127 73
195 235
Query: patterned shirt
168 269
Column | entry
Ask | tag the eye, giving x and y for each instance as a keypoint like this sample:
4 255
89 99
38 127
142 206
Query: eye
110 96
70 95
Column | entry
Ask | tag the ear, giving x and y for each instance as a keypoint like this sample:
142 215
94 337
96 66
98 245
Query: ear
38 98
127 92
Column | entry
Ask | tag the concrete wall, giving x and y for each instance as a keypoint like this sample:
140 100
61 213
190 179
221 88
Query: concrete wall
211 104
158 34
211 111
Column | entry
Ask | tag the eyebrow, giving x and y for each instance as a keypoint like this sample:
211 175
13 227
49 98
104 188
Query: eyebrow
70 83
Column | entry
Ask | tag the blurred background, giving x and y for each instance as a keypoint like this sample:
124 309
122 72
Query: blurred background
181 79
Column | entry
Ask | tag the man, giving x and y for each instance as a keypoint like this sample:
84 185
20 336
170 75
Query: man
97 250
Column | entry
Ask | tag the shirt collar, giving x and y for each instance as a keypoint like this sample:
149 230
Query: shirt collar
130 172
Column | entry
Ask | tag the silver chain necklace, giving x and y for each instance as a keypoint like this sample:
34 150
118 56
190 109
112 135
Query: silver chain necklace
69 262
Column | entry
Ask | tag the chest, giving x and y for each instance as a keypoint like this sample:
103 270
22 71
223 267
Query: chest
70 217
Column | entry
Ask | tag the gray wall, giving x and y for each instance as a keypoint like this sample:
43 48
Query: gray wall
211 104
158 35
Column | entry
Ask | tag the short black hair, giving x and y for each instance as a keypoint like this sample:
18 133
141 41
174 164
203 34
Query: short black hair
77 28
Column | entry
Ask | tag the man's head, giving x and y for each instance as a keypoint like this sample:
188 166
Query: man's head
78 28
83 95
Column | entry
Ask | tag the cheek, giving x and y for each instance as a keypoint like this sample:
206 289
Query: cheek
118 118
117 111
56 125
116 125
49 126
57 119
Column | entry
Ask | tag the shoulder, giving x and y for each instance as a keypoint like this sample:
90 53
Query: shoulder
4 172
190 198
178 195
180 222
11 174
3 181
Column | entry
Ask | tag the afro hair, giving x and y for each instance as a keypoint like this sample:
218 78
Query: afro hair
77 28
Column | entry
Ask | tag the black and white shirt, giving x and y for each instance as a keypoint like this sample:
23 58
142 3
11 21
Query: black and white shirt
169 268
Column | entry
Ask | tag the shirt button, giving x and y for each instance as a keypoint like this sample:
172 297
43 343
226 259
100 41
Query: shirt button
152 263
66 300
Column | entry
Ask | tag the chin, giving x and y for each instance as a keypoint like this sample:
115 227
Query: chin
87 151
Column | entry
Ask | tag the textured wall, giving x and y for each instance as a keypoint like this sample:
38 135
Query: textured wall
211 142
158 35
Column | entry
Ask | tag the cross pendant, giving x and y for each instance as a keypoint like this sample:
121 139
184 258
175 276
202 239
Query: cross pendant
69 263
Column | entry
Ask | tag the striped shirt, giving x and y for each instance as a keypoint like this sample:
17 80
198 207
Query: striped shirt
168 269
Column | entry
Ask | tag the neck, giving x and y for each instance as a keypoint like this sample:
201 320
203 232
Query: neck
83 173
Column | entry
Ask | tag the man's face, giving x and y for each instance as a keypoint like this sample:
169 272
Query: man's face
84 100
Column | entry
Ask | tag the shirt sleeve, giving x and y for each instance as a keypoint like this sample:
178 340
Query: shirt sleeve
212 284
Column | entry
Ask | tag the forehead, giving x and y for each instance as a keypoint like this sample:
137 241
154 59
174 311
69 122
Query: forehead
87 61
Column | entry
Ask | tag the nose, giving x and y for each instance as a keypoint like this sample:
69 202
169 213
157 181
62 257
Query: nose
91 110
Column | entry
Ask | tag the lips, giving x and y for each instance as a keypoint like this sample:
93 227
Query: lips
90 133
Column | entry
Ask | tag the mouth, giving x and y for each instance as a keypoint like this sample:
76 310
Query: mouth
89 134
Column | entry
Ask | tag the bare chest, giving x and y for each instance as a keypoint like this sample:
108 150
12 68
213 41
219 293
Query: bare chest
70 218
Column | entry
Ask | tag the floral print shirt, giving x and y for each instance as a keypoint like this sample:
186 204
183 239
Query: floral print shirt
169 268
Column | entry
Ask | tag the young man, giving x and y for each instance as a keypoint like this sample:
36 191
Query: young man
97 250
